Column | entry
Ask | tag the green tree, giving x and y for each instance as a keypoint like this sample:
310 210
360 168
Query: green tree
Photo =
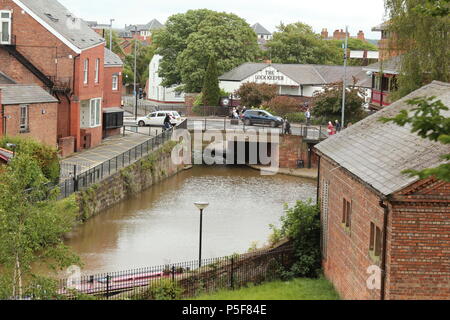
116 44
328 104
254 94
297 43
144 56
31 229
355 44
211 89
428 121
301 224
420 30
189 40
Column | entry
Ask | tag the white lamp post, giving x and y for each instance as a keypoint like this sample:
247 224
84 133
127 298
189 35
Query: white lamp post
201 206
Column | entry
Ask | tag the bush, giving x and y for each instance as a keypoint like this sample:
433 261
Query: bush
166 290
46 156
254 94
283 105
296 117
301 224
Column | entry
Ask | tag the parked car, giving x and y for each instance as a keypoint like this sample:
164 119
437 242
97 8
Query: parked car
252 117
157 119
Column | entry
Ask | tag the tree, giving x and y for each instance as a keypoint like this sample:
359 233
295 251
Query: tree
328 104
420 30
297 43
428 122
355 44
144 56
254 94
189 40
31 229
211 89
282 105
116 44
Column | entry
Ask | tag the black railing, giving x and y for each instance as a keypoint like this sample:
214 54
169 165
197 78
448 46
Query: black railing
230 272
78 181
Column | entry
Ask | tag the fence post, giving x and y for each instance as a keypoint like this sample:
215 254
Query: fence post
232 273
107 286
75 179
173 273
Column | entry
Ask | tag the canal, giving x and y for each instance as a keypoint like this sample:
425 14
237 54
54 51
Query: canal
161 225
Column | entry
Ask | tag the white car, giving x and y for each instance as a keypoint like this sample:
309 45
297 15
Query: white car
157 119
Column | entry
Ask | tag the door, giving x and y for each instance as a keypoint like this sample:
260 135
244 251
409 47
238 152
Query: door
5 27
151 119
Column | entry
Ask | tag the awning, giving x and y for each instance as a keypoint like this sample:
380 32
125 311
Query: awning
113 110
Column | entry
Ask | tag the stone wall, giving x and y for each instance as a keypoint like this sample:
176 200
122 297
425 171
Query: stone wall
130 180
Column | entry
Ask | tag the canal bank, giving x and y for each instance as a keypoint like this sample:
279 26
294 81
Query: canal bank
160 224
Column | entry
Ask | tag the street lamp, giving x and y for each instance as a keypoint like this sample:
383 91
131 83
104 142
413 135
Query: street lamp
201 206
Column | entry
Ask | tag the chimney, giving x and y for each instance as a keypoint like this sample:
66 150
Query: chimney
361 35
324 33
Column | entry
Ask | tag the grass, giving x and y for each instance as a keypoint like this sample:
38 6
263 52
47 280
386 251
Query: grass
297 289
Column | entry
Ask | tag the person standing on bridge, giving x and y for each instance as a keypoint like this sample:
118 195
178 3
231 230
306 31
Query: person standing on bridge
287 126
308 116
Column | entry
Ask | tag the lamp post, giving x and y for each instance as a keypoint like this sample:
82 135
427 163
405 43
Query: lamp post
110 33
345 77
201 206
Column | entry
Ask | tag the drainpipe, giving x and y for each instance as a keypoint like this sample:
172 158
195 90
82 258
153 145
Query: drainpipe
318 180
383 257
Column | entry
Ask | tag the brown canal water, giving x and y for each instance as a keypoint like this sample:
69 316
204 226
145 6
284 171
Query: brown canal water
161 225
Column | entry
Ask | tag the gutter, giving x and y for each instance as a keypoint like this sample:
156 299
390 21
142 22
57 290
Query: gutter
383 257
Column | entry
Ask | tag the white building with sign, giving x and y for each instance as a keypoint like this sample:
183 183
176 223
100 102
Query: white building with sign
155 91
301 80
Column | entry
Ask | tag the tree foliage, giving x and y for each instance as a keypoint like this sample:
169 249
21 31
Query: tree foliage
328 104
116 44
301 224
297 43
144 56
254 94
31 229
429 122
189 39
282 105
211 89
420 30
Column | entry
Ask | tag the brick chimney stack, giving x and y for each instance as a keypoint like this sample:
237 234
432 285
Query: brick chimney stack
324 33
361 35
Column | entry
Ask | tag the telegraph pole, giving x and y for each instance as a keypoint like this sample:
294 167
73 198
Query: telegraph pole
110 33
135 71
345 77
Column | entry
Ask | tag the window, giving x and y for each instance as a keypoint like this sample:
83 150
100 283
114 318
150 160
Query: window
97 70
5 27
95 112
86 71
115 82
23 118
375 240
346 213
90 113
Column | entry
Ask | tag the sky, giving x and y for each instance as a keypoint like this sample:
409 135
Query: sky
330 14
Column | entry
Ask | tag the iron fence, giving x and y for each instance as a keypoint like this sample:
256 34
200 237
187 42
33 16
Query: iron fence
188 278
79 181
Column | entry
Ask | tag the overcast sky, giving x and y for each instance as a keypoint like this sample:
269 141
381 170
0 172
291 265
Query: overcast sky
330 14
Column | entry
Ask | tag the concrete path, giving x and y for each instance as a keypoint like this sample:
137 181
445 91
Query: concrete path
301 173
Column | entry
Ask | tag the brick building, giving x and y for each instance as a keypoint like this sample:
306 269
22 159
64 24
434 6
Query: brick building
385 235
43 43
28 111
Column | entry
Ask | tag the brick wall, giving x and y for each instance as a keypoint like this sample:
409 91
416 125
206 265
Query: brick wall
112 98
347 258
42 122
419 261
66 146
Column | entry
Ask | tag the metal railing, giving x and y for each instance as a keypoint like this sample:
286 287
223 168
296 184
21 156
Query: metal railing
79 181
230 272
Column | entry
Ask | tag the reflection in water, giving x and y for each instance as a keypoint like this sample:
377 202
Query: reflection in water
161 225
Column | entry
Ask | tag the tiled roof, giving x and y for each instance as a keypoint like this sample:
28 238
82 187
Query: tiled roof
303 74
391 66
259 29
112 59
13 94
377 152
74 30
152 25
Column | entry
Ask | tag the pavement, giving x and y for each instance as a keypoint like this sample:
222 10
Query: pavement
301 173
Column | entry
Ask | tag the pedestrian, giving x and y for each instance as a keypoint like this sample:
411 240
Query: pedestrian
308 116
337 125
331 130
235 114
287 126
167 124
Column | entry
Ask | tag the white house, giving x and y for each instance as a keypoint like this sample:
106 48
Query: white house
155 91
301 80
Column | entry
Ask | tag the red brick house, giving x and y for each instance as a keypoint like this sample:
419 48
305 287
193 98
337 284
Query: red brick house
28 111
112 102
385 235
43 43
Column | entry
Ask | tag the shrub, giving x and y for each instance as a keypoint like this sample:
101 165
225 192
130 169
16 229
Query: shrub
283 105
165 290
211 90
301 224
46 156
296 117
254 94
